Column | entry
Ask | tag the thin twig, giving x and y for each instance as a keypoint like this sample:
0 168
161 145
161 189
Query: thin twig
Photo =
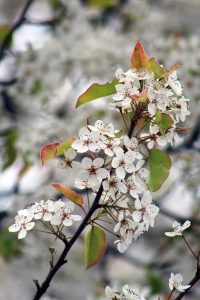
15 26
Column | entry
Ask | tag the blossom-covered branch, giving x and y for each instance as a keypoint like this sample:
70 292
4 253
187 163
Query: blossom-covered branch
110 166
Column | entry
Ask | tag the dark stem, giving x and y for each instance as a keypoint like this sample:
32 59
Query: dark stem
15 26
170 295
41 289
191 250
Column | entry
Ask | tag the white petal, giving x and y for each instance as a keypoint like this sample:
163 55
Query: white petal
22 234
14 228
67 222
86 163
98 162
102 173
30 225
76 217
120 172
137 216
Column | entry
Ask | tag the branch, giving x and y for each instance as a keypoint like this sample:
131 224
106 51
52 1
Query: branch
68 244
15 26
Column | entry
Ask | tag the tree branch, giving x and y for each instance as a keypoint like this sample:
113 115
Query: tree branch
68 244
15 26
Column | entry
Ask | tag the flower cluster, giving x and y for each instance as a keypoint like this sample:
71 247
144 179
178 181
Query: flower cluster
126 293
161 96
117 163
55 212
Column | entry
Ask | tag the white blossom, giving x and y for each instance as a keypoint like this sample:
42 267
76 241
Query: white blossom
133 147
109 145
63 214
43 210
93 171
133 188
112 293
69 157
174 83
132 293
87 141
123 162
145 210
23 223
103 128
175 282
114 185
178 228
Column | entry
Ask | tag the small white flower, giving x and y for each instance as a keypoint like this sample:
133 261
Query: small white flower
112 293
124 242
23 223
43 210
109 145
63 214
124 91
103 128
123 162
83 183
174 83
69 157
87 141
175 282
93 171
178 228
133 147
145 210
140 174
132 293
114 186
180 108
133 188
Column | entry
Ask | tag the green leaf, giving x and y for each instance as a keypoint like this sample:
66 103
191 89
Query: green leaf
96 91
159 167
102 3
4 30
164 121
95 246
156 68
10 137
155 283
70 194
63 147
9 245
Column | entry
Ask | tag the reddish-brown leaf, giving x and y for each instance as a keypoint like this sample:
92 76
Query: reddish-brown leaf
70 194
48 151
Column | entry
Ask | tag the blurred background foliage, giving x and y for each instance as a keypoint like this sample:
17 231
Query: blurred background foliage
55 50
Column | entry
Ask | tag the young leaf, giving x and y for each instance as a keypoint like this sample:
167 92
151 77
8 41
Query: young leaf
4 30
64 146
139 59
96 91
70 194
156 68
47 152
159 167
142 97
95 246
164 121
